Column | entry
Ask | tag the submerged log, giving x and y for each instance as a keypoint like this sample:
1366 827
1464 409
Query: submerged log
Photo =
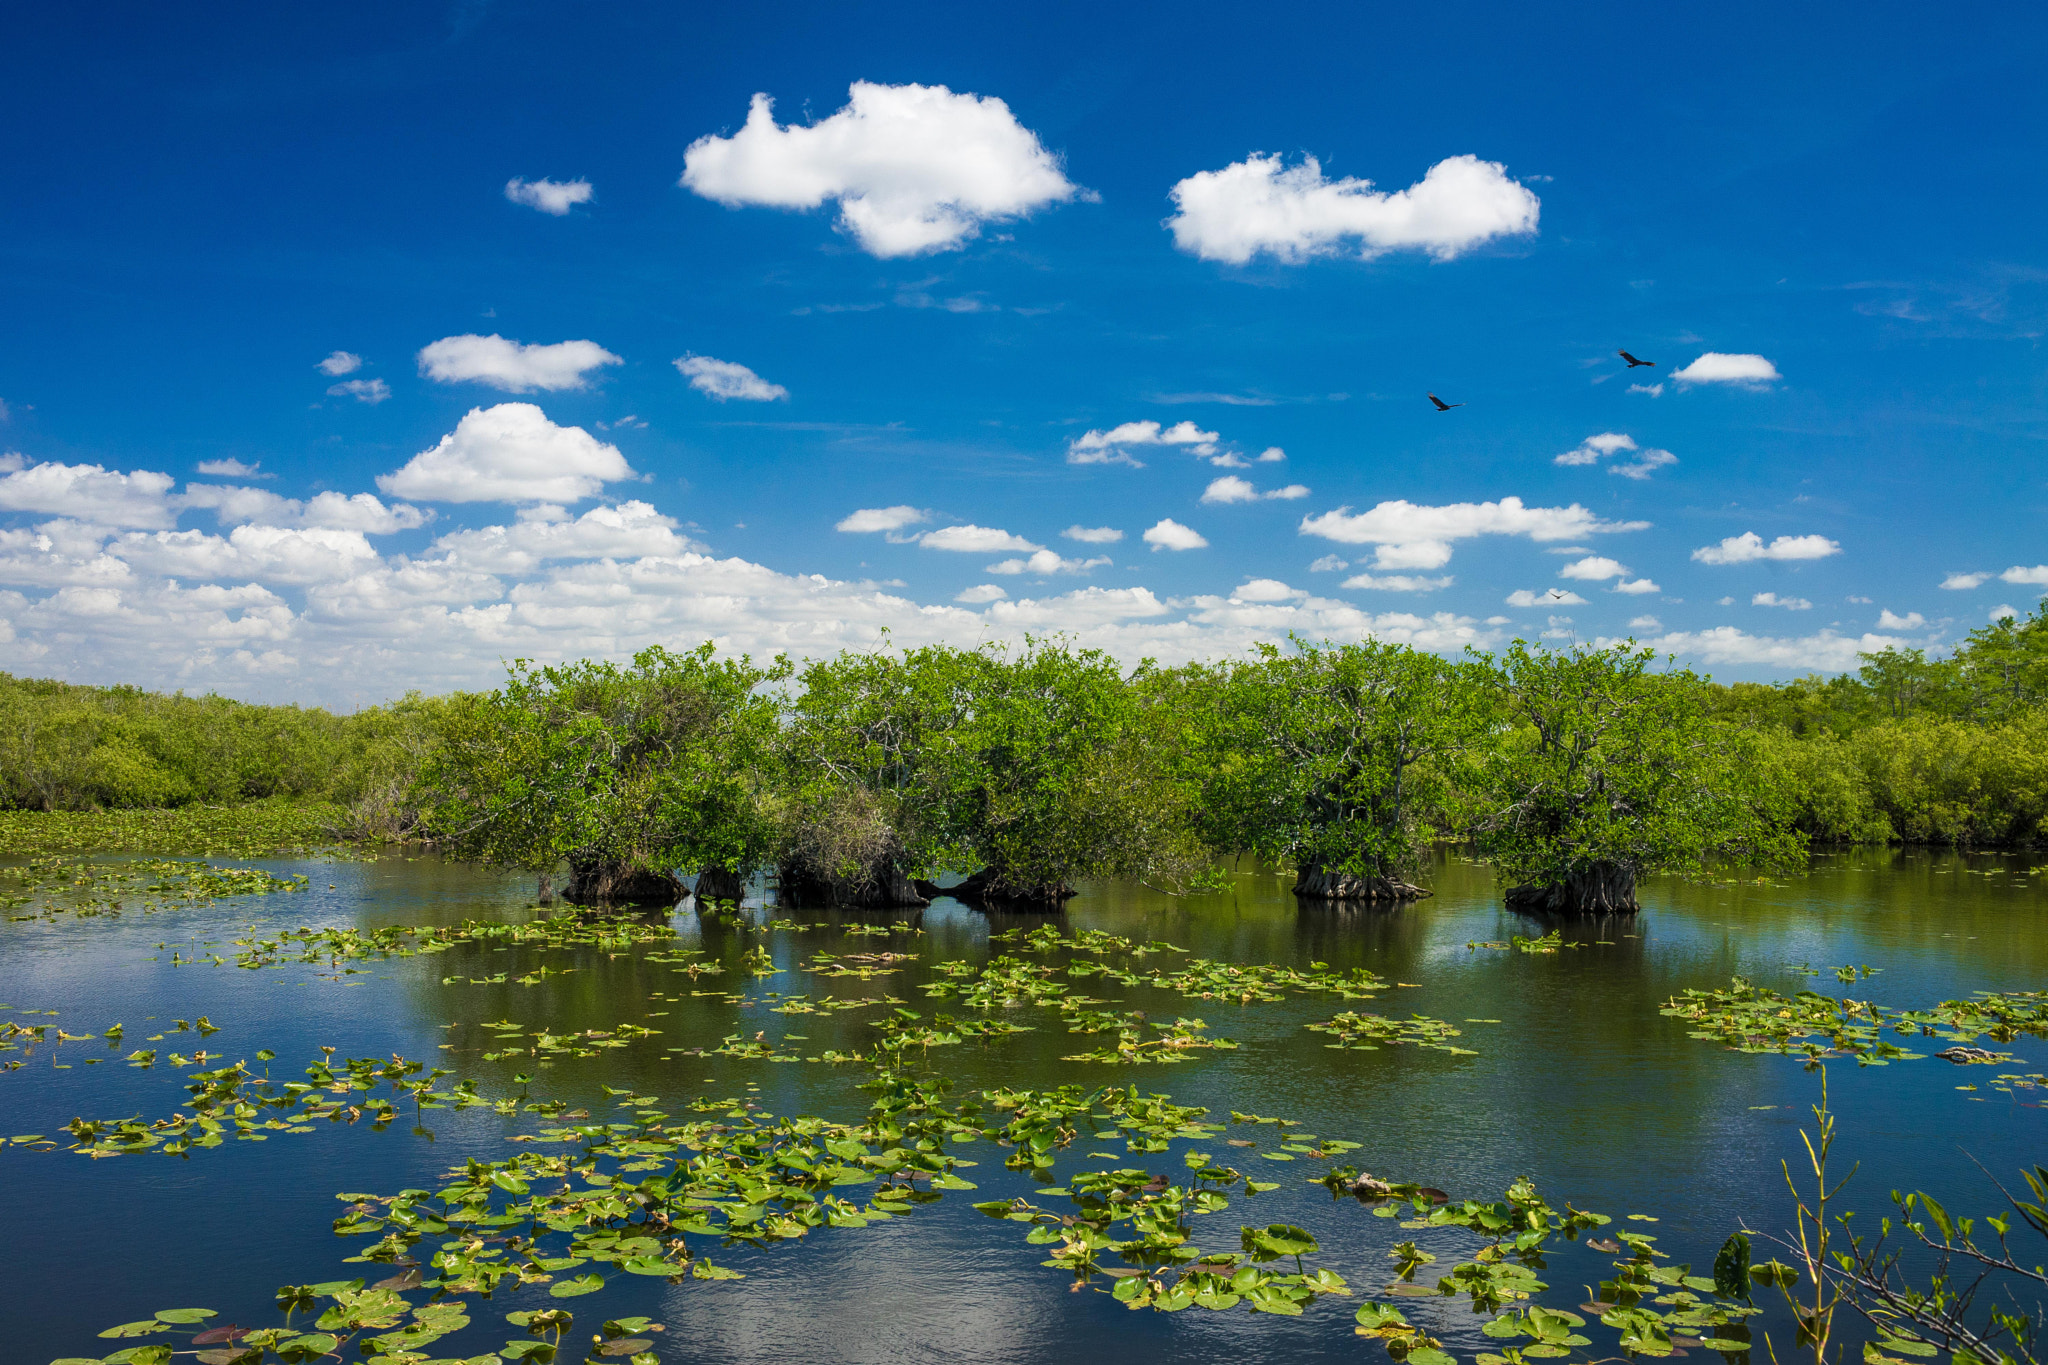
719 884
606 881
989 887
1601 889
1317 883
883 888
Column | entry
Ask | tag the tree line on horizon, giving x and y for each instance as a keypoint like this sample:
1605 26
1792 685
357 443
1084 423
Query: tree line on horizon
864 778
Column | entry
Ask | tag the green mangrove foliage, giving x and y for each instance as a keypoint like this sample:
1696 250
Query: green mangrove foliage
1341 761
1608 771
625 773
67 747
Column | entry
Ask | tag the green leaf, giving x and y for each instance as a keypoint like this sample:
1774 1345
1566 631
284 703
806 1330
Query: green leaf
582 1284
134 1329
185 1315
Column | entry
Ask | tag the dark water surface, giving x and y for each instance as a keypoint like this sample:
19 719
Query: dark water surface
1581 1085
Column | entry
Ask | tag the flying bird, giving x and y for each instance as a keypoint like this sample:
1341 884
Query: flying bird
1632 361
1555 593
1442 406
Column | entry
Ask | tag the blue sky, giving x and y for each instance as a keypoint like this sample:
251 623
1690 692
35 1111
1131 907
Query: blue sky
202 207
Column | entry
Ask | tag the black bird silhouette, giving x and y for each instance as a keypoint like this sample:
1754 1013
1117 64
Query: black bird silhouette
1555 593
1442 406
1632 361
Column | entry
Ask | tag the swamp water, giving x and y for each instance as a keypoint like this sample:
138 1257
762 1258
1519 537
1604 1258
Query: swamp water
1566 1072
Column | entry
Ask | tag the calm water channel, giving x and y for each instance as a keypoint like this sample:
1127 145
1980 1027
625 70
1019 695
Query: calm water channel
1580 1084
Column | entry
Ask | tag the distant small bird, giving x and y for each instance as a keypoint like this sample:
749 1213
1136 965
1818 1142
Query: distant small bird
1442 406
1632 361
1555 593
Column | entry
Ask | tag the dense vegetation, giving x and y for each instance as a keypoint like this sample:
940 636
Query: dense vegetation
860 776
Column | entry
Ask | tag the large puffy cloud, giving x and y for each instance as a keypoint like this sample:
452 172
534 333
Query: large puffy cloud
1750 547
2020 573
363 512
728 379
508 365
1715 367
90 492
1113 446
509 453
274 553
1294 213
631 530
1413 536
913 168
61 553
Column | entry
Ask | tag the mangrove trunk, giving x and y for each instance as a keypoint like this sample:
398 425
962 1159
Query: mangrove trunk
884 887
719 884
1314 882
608 881
1601 889
989 887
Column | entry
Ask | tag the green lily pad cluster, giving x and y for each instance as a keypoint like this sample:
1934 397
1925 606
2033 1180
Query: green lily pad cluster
1368 1032
1750 1018
57 886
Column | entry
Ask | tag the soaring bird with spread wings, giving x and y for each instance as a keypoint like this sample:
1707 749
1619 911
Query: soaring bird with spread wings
1442 406
1632 361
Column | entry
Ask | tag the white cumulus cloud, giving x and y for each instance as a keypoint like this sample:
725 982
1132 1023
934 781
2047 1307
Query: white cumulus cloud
1294 213
1636 586
1047 562
1093 535
1113 446
871 519
980 592
1641 464
1891 620
1593 569
233 469
1959 582
973 539
913 168
340 363
1413 536
1716 367
2020 573
1230 488
1552 597
89 492
724 379
549 196
233 505
1771 599
511 366
631 530
1824 651
275 553
1171 535
371 391
509 453
1749 547
1397 582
